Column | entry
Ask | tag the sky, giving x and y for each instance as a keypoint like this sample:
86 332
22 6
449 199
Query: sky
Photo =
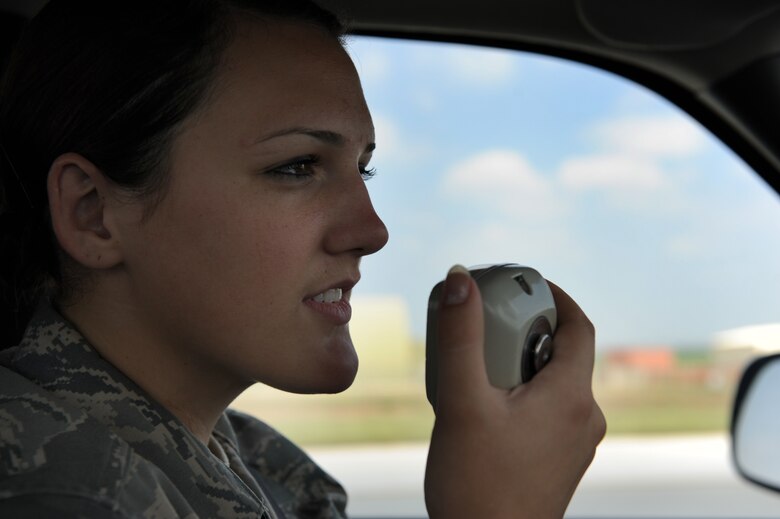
659 231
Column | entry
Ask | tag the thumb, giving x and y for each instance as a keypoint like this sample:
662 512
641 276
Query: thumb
462 378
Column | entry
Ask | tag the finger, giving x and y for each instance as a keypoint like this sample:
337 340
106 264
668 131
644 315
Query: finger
462 379
574 338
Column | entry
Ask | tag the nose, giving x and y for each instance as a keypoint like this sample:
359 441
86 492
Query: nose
357 228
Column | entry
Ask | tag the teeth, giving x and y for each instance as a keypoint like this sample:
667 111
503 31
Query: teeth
329 296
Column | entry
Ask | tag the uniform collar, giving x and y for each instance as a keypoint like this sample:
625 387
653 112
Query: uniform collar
56 357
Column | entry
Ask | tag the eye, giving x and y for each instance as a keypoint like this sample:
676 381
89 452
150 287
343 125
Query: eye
367 173
297 169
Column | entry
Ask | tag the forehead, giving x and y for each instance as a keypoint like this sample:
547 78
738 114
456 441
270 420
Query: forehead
278 73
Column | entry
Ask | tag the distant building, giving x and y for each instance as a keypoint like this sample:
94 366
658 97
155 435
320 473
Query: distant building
649 359
735 348
638 364
762 339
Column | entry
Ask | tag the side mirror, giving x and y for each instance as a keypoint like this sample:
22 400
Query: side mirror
755 424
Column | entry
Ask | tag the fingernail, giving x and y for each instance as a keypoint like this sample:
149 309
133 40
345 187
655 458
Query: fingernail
456 286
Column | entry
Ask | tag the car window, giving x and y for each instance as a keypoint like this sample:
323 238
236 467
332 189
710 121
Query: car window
667 240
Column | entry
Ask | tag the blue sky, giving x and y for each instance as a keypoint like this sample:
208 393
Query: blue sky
660 232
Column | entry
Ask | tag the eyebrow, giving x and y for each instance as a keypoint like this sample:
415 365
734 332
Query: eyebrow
326 136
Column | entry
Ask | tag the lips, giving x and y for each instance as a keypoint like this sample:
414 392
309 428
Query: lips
332 303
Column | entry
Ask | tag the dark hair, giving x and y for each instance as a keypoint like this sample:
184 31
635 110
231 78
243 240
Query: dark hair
112 81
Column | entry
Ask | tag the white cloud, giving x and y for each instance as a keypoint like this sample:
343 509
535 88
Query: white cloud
687 247
654 136
425 100
393 145
388 136
639 101
503 180
502 169
611 172
481 66
473 66
637 161
540 242
373 65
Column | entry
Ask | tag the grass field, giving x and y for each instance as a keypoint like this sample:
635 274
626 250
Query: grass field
395 410
665 408
378 412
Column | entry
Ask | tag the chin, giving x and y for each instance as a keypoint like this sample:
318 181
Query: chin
330 382
334 372
336 375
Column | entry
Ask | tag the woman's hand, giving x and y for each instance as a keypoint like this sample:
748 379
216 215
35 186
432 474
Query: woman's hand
509 454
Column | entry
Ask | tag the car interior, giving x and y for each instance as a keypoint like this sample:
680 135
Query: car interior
716 60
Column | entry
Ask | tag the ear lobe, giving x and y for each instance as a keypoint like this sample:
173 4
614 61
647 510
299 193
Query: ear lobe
79 202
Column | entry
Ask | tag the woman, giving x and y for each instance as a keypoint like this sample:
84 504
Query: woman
184 195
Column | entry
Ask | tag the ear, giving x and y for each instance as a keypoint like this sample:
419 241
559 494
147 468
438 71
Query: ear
81 212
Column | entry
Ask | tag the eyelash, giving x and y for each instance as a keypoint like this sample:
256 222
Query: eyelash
300 169
367 173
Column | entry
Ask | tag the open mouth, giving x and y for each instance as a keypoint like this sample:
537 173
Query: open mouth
332 304
333 295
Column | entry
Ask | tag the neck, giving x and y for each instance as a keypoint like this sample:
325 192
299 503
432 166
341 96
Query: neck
189 385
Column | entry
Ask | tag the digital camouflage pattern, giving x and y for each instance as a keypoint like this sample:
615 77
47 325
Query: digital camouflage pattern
80 439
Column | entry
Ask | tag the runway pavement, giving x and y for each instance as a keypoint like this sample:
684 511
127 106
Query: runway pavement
681 477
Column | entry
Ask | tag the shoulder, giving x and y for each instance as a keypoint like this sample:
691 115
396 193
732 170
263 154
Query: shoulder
53 456
300 486
56 506
262 446
40 431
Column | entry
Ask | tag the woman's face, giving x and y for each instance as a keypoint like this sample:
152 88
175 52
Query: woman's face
247 264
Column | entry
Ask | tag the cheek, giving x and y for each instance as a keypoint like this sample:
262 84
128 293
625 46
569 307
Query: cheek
236 255
227 275
231 250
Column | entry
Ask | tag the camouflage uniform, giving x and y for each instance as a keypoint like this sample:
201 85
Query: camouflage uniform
80 439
